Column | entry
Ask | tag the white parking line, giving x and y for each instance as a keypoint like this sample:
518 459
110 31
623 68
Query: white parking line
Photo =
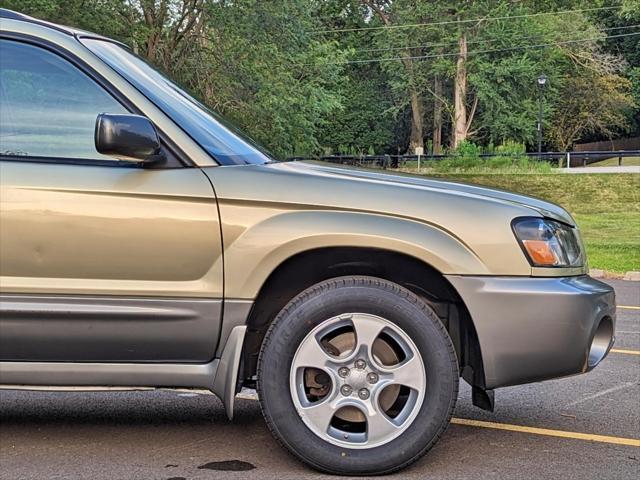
602 393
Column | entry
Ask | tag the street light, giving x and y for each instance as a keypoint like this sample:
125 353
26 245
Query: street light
542 81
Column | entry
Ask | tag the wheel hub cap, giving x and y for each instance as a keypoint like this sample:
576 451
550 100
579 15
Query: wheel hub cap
373 383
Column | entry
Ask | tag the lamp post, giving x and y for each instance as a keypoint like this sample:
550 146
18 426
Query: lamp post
542 81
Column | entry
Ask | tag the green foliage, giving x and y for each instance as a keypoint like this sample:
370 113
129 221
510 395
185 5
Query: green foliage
266 66
634 114
634 76
102 16
490 165
511 147
268 75
514 151
591 104
363 120
507 158
468 150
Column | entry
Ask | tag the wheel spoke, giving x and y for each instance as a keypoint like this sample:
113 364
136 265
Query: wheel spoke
379 426
408 373
367 329
319 414
311 354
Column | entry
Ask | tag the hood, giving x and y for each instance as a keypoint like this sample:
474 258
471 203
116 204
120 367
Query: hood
544 208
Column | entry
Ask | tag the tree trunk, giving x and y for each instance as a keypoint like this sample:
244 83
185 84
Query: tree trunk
437 115
417 129
416 140
460 94
154 19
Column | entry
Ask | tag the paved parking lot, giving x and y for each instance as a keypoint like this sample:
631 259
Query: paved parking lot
168 435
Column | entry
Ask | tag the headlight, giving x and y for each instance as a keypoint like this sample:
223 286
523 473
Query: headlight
548 243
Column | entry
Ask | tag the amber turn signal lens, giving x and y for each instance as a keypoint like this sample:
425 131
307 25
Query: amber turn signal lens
540 252
548 243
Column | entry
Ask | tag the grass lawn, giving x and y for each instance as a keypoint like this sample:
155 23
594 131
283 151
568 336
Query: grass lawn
613 162
606 207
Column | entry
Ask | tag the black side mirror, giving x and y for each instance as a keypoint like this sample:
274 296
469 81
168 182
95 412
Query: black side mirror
127 137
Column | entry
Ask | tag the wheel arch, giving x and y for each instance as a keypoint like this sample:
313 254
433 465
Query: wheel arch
273 236
304 269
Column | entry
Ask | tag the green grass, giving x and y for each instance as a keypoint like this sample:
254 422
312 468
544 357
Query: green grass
466 165
612 240
606 207
613 162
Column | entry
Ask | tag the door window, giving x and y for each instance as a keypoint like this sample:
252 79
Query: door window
48 107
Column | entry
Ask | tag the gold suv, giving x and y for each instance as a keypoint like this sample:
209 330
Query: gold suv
143 242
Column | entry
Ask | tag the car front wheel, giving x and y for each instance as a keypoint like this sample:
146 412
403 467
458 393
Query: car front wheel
357 375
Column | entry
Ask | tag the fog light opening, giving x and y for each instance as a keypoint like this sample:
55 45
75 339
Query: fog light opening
601 342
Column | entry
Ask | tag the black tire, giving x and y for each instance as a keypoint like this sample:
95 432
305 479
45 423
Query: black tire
366 295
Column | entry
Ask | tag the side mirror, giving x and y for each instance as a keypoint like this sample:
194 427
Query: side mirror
127 137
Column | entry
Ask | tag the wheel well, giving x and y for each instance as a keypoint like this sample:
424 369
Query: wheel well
308 268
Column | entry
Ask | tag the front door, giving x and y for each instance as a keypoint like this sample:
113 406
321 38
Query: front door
99 260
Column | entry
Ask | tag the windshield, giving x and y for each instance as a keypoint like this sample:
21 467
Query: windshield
222 141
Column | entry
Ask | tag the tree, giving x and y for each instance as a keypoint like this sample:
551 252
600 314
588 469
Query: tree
461 124
263 69
168 28
628 49
365 119
101 16
594 104
383 9
307 76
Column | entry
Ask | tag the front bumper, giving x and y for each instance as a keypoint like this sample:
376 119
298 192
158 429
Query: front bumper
533 329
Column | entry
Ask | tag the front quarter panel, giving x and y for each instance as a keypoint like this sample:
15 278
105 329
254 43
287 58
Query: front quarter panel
270 213
266 236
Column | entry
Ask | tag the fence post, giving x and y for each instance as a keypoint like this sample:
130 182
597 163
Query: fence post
619 160
419 151
568 160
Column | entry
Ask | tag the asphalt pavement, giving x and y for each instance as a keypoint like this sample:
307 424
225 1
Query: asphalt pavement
181 435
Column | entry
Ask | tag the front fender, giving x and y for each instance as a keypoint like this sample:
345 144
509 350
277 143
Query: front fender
254 250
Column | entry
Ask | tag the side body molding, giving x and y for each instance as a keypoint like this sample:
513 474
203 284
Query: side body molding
108 329
27 320
219 376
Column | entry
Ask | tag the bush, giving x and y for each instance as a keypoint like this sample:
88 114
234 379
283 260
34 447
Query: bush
510 158
468 151
511 148
466 156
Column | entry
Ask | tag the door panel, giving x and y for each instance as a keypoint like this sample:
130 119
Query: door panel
126 233
104 230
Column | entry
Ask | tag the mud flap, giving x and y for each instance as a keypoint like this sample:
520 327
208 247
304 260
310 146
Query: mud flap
226 378
482 398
